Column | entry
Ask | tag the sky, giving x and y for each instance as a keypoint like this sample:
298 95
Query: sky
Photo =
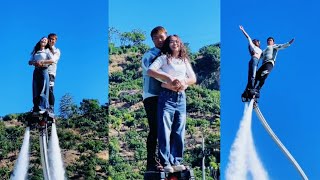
196 23
289 99
82 28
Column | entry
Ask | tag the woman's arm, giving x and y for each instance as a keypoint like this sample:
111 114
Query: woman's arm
244 32
189 79
46 61
191 76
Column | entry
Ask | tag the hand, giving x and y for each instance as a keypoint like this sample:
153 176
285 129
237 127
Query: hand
38 64
183 86
169 80
241 28
291 41
174 86
176 83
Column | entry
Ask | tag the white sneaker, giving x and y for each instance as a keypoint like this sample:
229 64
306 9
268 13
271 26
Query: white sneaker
42 112
179 167
168 168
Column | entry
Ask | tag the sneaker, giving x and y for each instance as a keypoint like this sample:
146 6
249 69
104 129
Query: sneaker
179 167
42 112
168 168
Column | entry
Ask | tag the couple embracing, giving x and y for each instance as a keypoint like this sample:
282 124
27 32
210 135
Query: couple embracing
44 58
167 73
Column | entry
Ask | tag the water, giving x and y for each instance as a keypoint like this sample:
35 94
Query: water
243 158
57 171
21 167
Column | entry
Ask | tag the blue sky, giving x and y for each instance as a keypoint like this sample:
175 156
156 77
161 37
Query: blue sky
196 23
82 39
289 98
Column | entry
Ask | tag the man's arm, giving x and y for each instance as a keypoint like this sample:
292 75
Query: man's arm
145 62
283 46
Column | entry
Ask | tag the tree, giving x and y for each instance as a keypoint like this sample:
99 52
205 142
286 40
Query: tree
113 34
135 37
67 107
207 67
89 107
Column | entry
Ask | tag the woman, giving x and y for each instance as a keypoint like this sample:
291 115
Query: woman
174 69
255 52
40 58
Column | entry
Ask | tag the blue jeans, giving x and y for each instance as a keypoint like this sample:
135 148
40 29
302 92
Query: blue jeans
40 89
253 64
171 126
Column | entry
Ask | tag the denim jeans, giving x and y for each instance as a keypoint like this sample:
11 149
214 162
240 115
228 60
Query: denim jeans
40 89
253 64
171 126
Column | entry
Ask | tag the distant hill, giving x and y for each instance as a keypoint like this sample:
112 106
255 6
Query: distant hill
127 119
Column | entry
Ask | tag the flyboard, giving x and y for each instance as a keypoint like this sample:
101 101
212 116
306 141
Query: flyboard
277 141
186 174
42 122
254 96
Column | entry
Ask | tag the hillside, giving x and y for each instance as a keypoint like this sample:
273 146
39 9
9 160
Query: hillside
127 119
82 132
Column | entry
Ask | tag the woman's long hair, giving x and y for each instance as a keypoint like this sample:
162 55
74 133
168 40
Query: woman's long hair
254 41
37 47
183 54
50 48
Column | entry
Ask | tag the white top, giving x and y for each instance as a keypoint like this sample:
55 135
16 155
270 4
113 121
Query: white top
176 68
41 55
253 48
52 69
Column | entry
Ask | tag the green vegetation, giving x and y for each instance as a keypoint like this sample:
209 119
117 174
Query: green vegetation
127 119
82 132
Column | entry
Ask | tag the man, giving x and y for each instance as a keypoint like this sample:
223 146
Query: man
151 89
52 69
268 61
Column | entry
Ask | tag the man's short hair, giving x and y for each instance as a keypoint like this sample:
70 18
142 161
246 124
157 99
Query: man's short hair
53 35
158 30
269 38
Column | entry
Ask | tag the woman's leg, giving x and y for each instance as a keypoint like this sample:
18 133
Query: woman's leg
165 118
252 72
44 93
178 130
36 84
